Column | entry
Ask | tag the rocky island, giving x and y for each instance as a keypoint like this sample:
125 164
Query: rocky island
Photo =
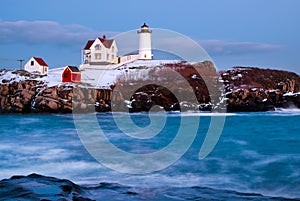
243 89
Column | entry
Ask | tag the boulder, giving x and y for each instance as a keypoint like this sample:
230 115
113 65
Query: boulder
52 105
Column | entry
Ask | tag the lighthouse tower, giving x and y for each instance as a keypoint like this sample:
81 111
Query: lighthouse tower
145 51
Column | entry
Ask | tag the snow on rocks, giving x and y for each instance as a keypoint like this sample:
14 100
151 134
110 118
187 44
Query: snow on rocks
246 89
23 92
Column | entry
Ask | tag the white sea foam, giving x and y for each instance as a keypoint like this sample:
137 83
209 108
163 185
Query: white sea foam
209 114
292 110
239 142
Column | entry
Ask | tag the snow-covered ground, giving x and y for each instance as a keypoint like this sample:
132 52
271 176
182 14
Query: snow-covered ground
53 77
102 78
8 76
291 94
148 63
98 77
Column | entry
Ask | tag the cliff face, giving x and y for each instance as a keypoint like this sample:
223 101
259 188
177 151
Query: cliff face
176 86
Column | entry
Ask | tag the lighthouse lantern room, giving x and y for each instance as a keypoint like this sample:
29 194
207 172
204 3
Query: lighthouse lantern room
145 51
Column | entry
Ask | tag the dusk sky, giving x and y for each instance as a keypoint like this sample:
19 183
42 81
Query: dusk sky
246 32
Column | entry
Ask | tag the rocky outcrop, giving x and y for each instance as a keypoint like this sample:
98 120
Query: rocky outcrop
53 99
171 87
21 188
66 98
29 95
91 100
267 79
44 188
240 89
249 100
18 96
150 95
254 89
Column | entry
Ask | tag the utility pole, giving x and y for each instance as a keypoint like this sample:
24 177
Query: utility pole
21 60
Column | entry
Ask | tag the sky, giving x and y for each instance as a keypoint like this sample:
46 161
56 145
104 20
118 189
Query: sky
233 32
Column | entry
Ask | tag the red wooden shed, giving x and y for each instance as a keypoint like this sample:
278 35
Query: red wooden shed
71 74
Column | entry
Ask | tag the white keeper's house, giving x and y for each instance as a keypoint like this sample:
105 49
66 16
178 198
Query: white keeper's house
100 51
36 65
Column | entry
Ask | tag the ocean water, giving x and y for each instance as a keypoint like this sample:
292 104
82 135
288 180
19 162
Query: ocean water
258 154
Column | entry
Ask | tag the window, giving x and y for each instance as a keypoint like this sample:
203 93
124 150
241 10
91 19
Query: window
32 63
97 47
98 56
113 48
112 56
107 57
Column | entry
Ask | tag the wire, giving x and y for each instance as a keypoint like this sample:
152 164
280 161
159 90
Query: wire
7 59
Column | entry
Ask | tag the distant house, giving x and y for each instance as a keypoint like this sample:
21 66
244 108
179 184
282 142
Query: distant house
36 65
71 74
100 52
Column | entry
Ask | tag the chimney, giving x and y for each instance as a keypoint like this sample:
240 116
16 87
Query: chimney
104 37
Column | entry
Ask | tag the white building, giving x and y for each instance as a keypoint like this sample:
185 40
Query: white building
100 52
145 51
101 56
36 65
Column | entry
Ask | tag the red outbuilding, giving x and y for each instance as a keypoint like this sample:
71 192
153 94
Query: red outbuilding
71 74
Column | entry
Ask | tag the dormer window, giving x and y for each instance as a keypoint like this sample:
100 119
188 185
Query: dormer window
98 47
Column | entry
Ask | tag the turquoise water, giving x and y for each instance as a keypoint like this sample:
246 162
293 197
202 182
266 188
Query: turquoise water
256 153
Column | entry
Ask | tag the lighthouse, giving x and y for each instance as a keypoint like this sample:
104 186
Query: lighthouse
145 51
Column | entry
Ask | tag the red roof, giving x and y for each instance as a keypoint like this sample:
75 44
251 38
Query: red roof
40 61
106 43
89 44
